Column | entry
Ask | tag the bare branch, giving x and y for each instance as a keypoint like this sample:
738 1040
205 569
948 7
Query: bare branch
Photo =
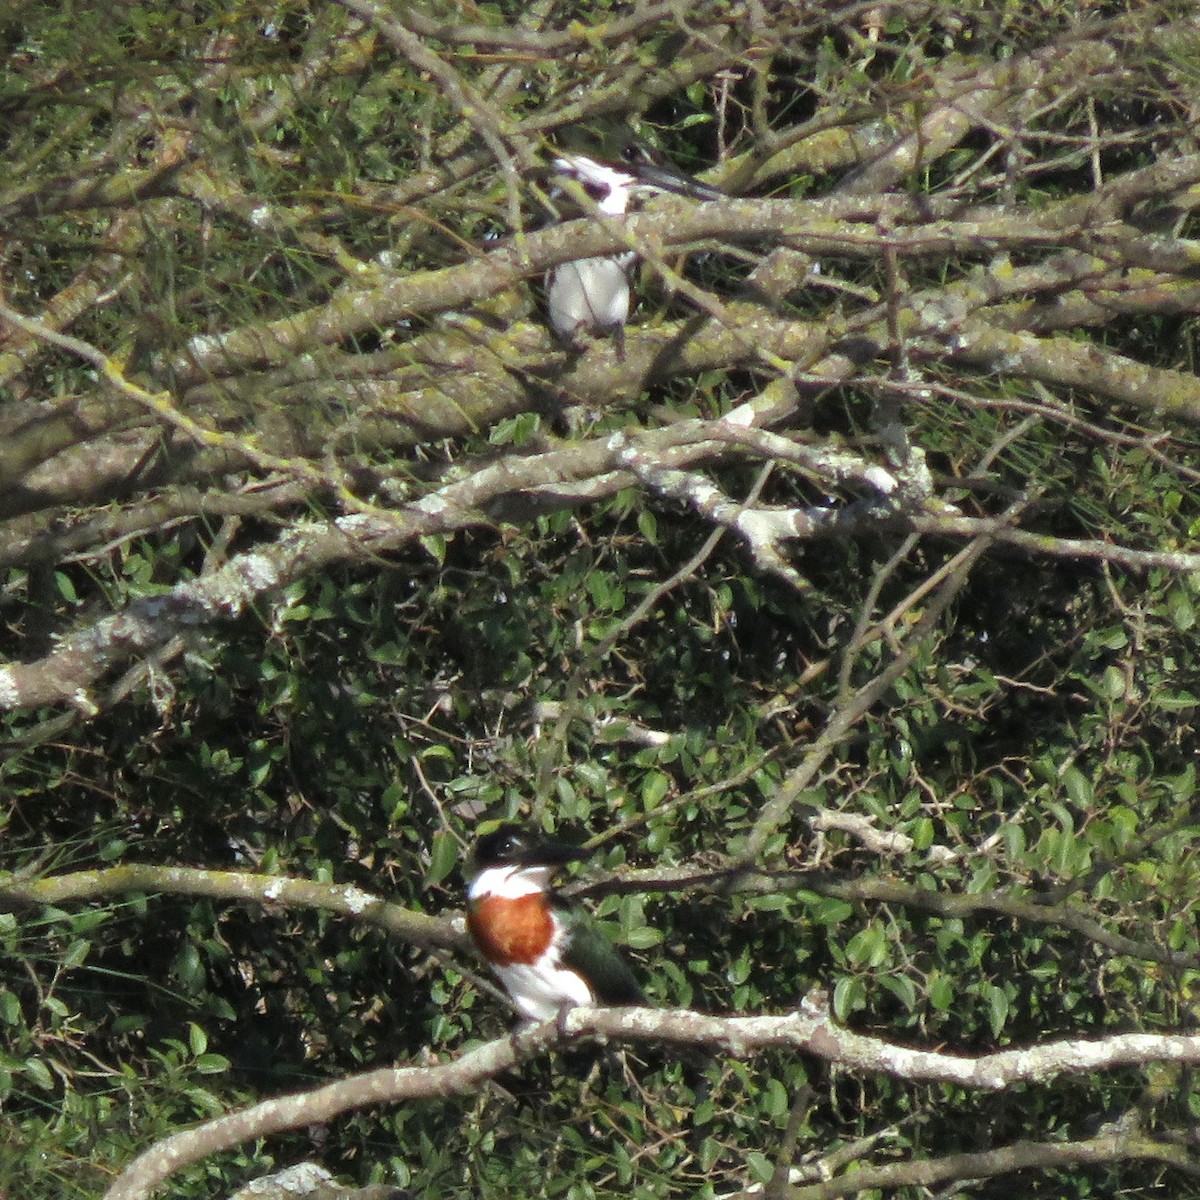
347 901
1118 1145
853 708
389 1085
809 1030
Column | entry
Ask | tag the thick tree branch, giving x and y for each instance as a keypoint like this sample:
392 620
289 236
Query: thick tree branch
1117 1146
570 475
416 928
456 1077
832 225
809 1030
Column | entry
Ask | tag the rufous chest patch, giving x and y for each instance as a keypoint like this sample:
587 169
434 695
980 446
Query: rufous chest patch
507 931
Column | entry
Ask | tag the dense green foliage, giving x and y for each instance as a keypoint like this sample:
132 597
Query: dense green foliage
1036 752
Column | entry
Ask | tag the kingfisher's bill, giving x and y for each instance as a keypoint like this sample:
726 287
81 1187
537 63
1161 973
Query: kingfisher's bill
543 949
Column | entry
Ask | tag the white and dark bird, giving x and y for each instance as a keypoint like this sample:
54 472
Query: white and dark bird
592 295
543 949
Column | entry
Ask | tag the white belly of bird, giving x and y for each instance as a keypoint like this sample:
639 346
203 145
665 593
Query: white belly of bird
590 294
540 991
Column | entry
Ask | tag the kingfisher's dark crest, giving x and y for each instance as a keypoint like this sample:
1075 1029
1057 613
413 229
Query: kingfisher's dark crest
543 950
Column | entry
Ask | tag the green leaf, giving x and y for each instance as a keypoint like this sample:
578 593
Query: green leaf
642 937
1113 683
39 1074
998 1008
443 858
922 833
655 786
188 970
941 992
10 1008
197 1039
869 947
647 524
775 1102
1078 787
212 1064
902 988
761 1168
434 544
66 589
825 910
76 953
849 997
1181 609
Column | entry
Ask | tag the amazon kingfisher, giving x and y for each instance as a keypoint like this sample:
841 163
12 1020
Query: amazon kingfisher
592 295
543 950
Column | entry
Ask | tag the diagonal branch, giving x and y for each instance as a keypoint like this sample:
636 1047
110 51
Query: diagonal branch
776 811
809 1030
1114 1146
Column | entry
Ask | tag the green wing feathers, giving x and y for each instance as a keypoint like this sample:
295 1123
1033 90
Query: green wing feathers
591 954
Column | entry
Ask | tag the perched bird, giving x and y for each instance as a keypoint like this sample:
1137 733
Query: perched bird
542 949
592 295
